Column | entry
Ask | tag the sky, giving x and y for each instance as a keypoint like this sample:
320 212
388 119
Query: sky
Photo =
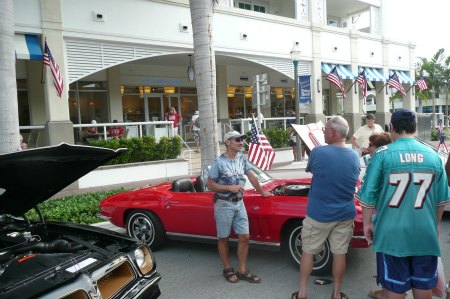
425 23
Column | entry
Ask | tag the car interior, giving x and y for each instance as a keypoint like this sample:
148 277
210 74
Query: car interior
183 185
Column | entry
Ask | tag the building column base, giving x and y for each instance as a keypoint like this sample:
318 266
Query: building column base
59 131
383 118
354 122
313 118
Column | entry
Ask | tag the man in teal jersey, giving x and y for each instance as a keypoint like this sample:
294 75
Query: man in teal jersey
407 185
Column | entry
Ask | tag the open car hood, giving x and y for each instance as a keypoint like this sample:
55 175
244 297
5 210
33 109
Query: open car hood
32 176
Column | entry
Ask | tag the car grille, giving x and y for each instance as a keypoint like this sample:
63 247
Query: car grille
80 294
114 281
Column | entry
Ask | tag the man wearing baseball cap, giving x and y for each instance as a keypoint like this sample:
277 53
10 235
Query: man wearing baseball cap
227 180
407 185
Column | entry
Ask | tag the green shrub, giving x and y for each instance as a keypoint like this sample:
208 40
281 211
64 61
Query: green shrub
142 149
80 208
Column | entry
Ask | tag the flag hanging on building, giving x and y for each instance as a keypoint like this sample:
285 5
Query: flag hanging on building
362 80
333 77
421 83
56 74
260 151
395 83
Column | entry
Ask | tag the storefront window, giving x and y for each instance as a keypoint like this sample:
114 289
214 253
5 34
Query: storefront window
282 101
73 107
239 101
133 108
189 104
22 102
88 101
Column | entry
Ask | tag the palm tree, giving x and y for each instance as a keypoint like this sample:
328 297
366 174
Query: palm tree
445 73
432 70
9 115
205 77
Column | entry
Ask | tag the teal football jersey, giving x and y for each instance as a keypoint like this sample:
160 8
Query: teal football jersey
405 182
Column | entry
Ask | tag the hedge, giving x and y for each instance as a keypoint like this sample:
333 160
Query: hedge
142 149
80 208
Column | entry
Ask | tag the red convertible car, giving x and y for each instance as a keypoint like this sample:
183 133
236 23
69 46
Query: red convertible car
183 210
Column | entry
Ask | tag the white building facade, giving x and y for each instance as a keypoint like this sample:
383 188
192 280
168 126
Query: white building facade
128 59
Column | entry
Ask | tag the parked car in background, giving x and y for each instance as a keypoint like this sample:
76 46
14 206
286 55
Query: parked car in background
183 210
40 259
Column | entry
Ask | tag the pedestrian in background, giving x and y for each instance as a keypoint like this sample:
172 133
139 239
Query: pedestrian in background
360 139
227 180
407 185
442 137
115 131
293 141
195 128
331 208
172 115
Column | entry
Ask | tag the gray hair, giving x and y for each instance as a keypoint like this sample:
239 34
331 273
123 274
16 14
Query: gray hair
339 123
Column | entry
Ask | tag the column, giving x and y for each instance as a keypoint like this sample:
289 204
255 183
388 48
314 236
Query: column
115 97
222 99
409 100
352 109
383 115
59 128
316 79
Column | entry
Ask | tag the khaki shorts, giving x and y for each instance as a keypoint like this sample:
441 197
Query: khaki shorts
314 235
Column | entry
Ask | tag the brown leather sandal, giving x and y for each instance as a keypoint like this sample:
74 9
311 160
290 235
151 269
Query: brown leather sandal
248 277
229 273
295 296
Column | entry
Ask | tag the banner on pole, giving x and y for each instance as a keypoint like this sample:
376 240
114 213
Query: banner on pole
304 87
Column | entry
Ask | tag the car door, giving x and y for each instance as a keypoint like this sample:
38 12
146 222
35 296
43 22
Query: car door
190 213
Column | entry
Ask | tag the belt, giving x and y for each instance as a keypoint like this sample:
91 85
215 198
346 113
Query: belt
232 199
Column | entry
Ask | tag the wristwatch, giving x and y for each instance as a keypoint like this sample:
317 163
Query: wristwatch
447 288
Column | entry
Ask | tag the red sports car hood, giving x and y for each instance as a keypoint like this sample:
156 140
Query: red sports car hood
32 176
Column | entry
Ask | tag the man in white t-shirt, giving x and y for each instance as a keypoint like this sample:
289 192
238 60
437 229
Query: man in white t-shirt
360 138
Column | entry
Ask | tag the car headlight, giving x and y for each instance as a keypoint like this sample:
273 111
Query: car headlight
143 259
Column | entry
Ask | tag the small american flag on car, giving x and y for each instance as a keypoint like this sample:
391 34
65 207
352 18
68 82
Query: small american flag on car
260 151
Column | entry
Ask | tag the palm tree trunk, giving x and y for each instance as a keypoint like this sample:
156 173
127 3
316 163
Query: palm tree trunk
205 77
9 115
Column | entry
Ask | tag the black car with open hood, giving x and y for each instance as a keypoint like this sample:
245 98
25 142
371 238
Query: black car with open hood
59 259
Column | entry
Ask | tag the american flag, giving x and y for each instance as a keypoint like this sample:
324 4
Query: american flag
333 77
362 82
56 74
395 83
421 83
260 151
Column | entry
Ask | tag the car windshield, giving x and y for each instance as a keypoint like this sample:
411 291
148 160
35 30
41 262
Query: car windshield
262 176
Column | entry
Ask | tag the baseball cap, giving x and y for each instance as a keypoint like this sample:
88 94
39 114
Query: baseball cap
403 114
233 135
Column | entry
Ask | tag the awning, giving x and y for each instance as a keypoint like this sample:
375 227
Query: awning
402 76
343 70
27 47
372 74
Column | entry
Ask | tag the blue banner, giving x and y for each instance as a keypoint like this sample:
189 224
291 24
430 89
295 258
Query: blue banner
304 85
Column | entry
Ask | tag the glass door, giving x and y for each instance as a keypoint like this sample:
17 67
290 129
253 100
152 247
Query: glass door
154 108
171 101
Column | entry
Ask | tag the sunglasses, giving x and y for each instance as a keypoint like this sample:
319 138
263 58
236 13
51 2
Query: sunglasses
239 139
